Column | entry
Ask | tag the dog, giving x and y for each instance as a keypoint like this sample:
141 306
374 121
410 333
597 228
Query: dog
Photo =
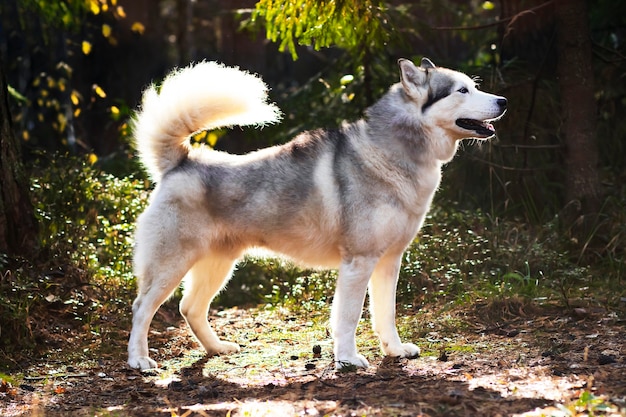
352 198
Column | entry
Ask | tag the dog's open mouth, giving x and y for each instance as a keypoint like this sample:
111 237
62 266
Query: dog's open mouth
481 128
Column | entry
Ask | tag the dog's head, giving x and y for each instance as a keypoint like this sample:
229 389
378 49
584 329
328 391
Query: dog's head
450 100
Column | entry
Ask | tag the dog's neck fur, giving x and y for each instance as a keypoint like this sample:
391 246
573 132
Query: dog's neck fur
407 138
401 152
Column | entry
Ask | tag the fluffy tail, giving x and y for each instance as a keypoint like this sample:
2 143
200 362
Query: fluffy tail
204 96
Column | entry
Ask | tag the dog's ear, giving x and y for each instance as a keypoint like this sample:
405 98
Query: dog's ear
427 64
412 78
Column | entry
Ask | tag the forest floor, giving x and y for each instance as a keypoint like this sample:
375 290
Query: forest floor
533 363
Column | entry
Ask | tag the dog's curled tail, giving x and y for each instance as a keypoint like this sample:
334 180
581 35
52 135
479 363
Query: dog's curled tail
199 97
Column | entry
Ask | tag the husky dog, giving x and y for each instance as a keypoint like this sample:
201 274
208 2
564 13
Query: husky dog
352 198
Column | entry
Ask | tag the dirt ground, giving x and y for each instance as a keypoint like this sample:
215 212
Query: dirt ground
531 365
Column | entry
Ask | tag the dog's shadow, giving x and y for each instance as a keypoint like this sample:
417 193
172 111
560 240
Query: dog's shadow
388 385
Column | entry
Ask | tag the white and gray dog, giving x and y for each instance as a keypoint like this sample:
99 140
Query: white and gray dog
352 198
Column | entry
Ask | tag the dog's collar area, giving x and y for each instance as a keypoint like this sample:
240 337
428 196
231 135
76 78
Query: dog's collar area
480 127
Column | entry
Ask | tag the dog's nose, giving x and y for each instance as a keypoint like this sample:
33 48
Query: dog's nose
502 103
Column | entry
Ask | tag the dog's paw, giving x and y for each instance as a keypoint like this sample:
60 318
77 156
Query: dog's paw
351 363
142 363
403 350
224 348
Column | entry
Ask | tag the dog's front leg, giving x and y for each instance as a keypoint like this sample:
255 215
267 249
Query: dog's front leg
354 275
382 290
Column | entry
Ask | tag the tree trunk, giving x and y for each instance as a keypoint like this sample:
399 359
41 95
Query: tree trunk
18 228
578 108
184 35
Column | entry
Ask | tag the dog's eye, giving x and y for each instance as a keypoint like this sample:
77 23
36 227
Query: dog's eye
463 90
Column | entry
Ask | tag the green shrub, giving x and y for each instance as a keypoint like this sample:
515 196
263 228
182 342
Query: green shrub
87 216
278 282
450 252
463 255
84 269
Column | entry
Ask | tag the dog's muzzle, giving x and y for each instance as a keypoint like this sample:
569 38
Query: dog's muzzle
483 128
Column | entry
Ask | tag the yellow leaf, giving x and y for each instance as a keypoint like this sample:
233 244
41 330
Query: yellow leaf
212 139
106 30
25 135
86 47
197 138
94 6
346 79
99 91
138 27
62 121
120 12
488 5
115 112
77 112
75 97
113 2
92 158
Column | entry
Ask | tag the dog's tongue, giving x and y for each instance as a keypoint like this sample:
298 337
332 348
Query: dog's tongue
486 125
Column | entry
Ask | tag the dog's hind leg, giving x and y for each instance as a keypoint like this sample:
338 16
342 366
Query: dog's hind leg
205 279
382 289
156 283
347 308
